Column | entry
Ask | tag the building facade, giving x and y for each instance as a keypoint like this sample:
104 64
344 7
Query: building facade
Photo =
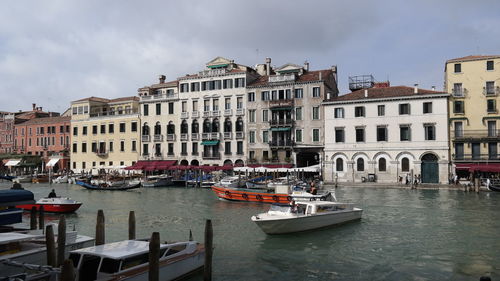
474 85
387 133
105 133
285 116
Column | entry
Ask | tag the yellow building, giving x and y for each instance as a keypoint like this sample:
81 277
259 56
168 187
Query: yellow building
474 84
104 133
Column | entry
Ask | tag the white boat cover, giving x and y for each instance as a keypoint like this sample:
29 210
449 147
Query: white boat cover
312 169
52 162
13 162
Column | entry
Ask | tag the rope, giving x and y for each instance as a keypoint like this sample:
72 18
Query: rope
42 268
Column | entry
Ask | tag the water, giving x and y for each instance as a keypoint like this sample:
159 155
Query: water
403 235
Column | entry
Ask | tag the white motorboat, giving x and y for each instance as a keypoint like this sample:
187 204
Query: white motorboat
305 215
128 260
158 181
23 179
232 182
61 179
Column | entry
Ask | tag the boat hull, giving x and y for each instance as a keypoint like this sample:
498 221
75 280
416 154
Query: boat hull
53 208
250 196
306 222
494 188
95 187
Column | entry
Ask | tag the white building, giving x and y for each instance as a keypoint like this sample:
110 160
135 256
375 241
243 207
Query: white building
388 132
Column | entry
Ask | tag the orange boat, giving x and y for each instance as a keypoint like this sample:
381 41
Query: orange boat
248 195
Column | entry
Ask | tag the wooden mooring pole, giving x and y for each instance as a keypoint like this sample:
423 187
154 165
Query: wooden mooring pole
131 225
207 269
61 240
99 229
33 223
67 271
51 246
154 257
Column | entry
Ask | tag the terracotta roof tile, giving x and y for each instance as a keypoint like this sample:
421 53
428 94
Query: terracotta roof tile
93 99
47 120
309 76
474 57
381 93
132 98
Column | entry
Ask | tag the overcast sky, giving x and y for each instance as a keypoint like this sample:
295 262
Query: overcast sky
53 52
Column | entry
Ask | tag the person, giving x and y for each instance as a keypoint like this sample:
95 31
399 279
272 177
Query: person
314 190
488 182
407 179
455 180
52 194
17 185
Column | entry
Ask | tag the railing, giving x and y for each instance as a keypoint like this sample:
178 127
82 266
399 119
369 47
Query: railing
228 112
184 137
216 113
462 92
491 91
101 153
194 153
240 135
184 115
146 138
158 138
281 143
205 136
145 156
171 155
215 156
195 136
228 135
214 136
469 157
240 112
281 103
281 122
227 153
195 114
206 114
184 153
161 96
113 113
170 137
475 134
281 78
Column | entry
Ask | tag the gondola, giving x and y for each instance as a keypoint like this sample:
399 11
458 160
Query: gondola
5 177
494 188
102 187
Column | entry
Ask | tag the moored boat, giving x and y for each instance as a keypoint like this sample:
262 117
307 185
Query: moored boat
54 205
23 179
128 260
9 198
306 215
232 182
41 178
158 181
126 186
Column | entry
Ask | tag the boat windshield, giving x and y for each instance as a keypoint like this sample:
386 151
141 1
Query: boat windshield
280 208
109 265
75 258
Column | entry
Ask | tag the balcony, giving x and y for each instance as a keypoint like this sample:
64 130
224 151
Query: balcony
214 136
166 96
459 92
170 137
216 113
476 157
475 134
146 138
281 78
195 114
240 135
205 136
281 103
184 153
195 136
228 135
184 115
281 144
240 112
184 137
281 123
491 91
101 153
158 138
228 112
113 113
211 156
206 114
145 156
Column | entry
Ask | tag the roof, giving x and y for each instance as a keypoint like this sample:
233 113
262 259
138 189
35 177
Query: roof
97 99
93 99
308 76
118 250
132 98
163 85
382 93
187 76
473 57
47 120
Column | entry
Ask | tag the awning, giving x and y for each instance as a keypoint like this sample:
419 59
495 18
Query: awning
480 167
210 142
13 162
217 65
150 165
280 129
271 166
52 162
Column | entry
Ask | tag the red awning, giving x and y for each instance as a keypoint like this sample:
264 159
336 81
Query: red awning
149 165
271 166
165 164
472 167
139 165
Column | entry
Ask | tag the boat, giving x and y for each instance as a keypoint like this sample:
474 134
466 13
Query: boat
9 198
7 177
107 187
232 182
305 215
54 205
158 181
128 260
61 179
23 179
41 178
259 182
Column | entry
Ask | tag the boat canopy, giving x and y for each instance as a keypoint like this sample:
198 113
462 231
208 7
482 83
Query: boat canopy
12 197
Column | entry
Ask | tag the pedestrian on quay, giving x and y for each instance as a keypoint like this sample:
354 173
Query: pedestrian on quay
407 179
455 179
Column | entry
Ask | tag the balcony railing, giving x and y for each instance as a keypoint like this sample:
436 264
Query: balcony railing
281 103
475 134
214 136
240 135
216 113
491 91
113 113
101 153
240 112
184 115
195 136
228 135
206 114
477 157
158 138
228 112
205 136
161 96
195 114
281 122
211 156
459 92
227 153
146 138
184 137
184 153
281 143
170 137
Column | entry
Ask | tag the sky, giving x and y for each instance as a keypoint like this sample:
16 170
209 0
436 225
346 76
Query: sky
55 51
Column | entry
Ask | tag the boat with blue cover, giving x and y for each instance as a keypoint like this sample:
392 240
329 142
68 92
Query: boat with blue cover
108 187
10 198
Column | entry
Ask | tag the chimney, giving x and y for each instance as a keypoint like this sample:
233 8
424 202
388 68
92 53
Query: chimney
415 90
306 65
366 93
320 75
162 79
268 66
34 106
328 95
433 88
50 114
334 70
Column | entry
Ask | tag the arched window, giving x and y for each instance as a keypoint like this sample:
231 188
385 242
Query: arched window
195 127
360 165
382 165
239 125
339 165
171 128
145 129
157 128
207 127
405 165
184 127
228 125
215 125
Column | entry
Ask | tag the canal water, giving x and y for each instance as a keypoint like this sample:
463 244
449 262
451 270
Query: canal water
403 235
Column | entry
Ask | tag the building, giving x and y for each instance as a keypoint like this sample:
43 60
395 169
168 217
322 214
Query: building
387 133
104 133
47 137
474 85
285 116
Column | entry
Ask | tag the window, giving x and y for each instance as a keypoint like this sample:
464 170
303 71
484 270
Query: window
265 95
184 87
458 106
195 86
404 109
195 105
265 136
227 147
490 65
430 132
94 129
111 147
405 165
381 110
359 111
84 147
490 88
339 112
251 116
381 133
298 135
75 147
103 129
170 108
339 165
491 106
145 111
427 107
251 96
382 165
122 127
158 109
458 68
299 93
215 105
316 92
265 115
492 129
458 90
239 103
145 150
134 146
315 113
227 83
298 113
252 137
404 133
122 146
459 129
360 165
360 134
339 135
84 165
84 130
111 128
94 147
239 148
239 82
75 131
133 127
315 135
